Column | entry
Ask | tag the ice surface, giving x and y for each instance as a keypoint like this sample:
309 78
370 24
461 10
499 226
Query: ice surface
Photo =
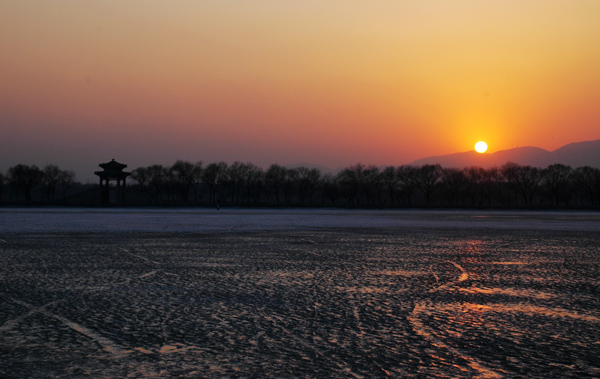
196 220
321 303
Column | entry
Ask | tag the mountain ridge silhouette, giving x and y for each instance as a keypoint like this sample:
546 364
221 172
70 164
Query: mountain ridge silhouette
576 154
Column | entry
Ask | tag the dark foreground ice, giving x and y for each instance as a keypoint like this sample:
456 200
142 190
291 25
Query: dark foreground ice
315 302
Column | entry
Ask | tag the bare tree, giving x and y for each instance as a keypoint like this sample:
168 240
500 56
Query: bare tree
491 182
454 185
555 180
528 183
274 179
428 176
158 179
351 180
1 185
142 176
186 176
289 184
330 188
25 178
391 181
172 186
313 177
372 184
508 173
50 180
302 183
197 174
236 176
472 179
407 178
54 178
254 178
66 180
307 181
587 180
213 177
524 180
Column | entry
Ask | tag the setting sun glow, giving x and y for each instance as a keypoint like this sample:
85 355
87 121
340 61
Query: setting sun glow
481 147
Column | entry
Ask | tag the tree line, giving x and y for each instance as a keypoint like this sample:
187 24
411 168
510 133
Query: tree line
245 184
48 180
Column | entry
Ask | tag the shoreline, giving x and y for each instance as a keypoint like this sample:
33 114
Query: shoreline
202 220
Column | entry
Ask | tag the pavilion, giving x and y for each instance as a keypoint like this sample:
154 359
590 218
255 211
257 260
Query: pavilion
112 171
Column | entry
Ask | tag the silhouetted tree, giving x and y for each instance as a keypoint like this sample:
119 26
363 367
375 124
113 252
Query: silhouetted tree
372 184
407 176
330 188
351 180
213 176
186 176
53 178
1 185
158 179
142 176
528 183
428 177
454 183
172 186
302 183
25 178
472 185
555 180
313 177
391 181
50 180
307 181
491 184
197 179
275 177
289 184
254 179
587 179
66 180
235 177
509 173
525 180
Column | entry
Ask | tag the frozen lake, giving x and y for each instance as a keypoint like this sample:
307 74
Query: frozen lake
195 220
298 293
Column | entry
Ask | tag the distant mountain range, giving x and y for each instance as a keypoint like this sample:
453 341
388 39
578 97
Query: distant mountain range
576 154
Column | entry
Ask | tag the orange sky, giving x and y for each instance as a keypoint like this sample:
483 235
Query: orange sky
271 81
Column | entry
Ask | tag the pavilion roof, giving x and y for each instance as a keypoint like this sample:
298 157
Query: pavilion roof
112 166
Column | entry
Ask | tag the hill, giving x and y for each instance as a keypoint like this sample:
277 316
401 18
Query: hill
576 154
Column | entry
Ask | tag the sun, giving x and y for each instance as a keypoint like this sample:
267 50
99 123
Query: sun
481 147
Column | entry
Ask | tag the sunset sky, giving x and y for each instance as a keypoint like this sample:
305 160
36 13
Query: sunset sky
274 81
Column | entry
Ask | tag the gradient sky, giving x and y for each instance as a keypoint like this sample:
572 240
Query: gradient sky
275 81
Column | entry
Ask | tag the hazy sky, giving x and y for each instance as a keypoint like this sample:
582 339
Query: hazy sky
275 81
